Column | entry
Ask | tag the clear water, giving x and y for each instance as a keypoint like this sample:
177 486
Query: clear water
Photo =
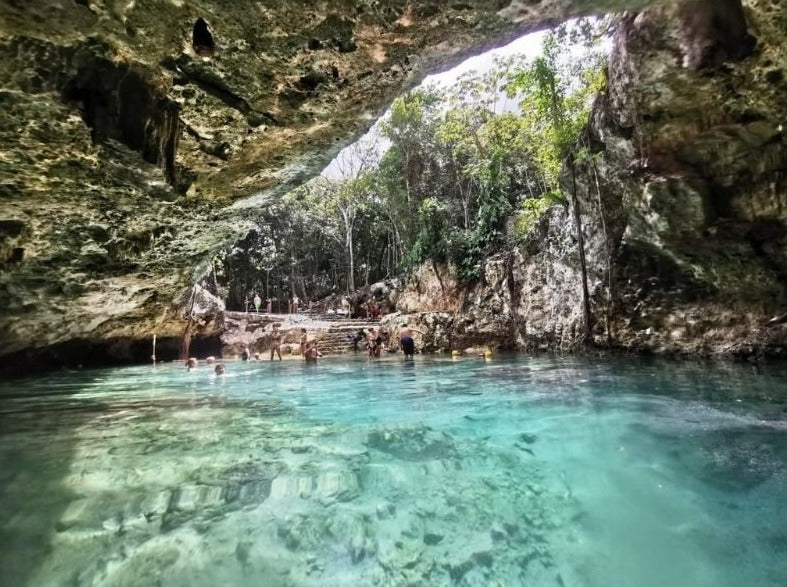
513 471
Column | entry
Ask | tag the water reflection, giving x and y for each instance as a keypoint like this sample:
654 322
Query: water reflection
433 471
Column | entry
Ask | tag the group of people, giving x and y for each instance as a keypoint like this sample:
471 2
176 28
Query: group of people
192 363
375 342
308 347
275 346
256 300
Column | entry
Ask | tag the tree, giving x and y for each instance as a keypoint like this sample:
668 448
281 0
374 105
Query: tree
555 101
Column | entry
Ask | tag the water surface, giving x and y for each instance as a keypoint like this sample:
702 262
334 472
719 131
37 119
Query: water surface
514 471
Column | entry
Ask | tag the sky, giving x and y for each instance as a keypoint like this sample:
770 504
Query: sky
528 45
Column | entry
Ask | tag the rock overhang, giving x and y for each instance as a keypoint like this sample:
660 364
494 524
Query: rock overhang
137 139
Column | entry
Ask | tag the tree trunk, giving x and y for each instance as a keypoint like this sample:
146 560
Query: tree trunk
351 270
607 253
582 264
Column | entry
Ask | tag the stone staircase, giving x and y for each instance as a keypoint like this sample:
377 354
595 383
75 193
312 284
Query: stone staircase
331 332
336 341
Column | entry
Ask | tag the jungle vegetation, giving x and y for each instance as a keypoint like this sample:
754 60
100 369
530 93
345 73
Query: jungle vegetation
468 171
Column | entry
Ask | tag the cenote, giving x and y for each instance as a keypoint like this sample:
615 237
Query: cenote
510 471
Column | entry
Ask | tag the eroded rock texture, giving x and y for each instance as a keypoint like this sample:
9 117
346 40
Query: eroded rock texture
684 204
136 135
130 129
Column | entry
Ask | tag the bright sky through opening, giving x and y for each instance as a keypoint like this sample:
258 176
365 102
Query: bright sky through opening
529 46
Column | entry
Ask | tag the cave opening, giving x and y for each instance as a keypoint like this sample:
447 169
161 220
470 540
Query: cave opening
202 39
115 352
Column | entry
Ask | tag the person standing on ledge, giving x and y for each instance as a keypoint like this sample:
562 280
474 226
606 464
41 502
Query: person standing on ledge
275 341
257 302
406 338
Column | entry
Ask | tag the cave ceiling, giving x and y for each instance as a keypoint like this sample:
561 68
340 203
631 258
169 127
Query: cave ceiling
133 131
264 93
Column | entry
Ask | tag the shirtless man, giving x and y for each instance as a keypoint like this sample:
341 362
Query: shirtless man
406 338
275 341
311 353
304 339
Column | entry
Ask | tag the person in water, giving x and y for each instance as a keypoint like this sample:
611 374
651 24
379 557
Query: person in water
356 338
311 353
191 364
304 340
220 369
276 341
375 344
246 354
406 339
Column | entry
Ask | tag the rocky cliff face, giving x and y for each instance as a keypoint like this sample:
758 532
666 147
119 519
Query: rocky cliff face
135 135
683 204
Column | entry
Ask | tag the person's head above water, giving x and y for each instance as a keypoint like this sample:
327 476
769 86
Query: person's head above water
191 363
220 369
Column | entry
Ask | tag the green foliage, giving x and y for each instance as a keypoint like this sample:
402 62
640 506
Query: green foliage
461 160
555 97
532 211
461 163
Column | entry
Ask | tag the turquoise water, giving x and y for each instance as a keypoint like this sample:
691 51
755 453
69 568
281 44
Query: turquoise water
513 471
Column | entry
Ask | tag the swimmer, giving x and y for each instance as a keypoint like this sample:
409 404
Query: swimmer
191 364
311 353
220 369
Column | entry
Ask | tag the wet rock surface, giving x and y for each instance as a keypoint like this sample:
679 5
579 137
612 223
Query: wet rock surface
138 138
683 208
129 132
